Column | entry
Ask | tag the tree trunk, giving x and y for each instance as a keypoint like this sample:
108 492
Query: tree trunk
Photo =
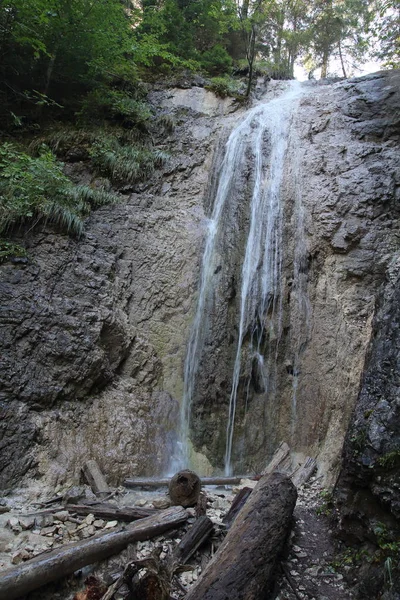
250 58
324 66
341 60
51 566
244 567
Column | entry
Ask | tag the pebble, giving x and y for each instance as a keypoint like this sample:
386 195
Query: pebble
161 503
99 523
61 515
26 522
110 524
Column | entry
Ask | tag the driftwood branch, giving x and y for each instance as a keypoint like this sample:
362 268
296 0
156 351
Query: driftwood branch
45 568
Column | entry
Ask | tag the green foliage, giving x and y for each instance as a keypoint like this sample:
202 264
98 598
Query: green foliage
216 60
351 557
387 30
124 162
326 506
9 250
388 544
359 440
115 105
225 86
35 190
390 460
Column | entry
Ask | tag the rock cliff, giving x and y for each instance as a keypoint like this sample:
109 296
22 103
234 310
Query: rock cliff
95 330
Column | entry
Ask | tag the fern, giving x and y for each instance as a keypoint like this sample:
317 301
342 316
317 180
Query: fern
35 190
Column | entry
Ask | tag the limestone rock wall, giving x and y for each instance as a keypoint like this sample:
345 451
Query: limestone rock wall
95 330
341 227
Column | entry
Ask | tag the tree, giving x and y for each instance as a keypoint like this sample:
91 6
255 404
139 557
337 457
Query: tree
340 28
387 30
56 47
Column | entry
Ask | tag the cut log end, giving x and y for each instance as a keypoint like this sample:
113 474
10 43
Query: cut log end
184 488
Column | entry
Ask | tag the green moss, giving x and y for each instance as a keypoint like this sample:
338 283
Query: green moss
9 250
390 460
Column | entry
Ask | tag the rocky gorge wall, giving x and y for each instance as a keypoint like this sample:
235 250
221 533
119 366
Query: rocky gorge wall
340 232
95 330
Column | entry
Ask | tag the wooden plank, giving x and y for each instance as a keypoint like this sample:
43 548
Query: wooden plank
38 571
95 478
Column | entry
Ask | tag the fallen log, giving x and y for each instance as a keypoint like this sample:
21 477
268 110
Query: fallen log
184 488
150 482
108 512
201 506
95 477
51 566
304 472
200 531
244 567
156 583
238 502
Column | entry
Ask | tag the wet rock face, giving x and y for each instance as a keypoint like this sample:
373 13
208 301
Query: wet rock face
371 456
58 344
94 330
341 221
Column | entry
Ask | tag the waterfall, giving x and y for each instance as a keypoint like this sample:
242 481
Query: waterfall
259 288
261 271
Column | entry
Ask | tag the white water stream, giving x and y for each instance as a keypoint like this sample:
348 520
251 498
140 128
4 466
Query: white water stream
267 123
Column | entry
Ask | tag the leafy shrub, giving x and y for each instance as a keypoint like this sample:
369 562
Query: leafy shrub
225 86
116 105
216 60
8 250
118 153
36 190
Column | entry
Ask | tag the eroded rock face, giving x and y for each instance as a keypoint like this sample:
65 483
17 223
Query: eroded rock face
371 456
96 329
341 222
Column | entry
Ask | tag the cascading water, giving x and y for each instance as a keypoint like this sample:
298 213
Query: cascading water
260 293
261 272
